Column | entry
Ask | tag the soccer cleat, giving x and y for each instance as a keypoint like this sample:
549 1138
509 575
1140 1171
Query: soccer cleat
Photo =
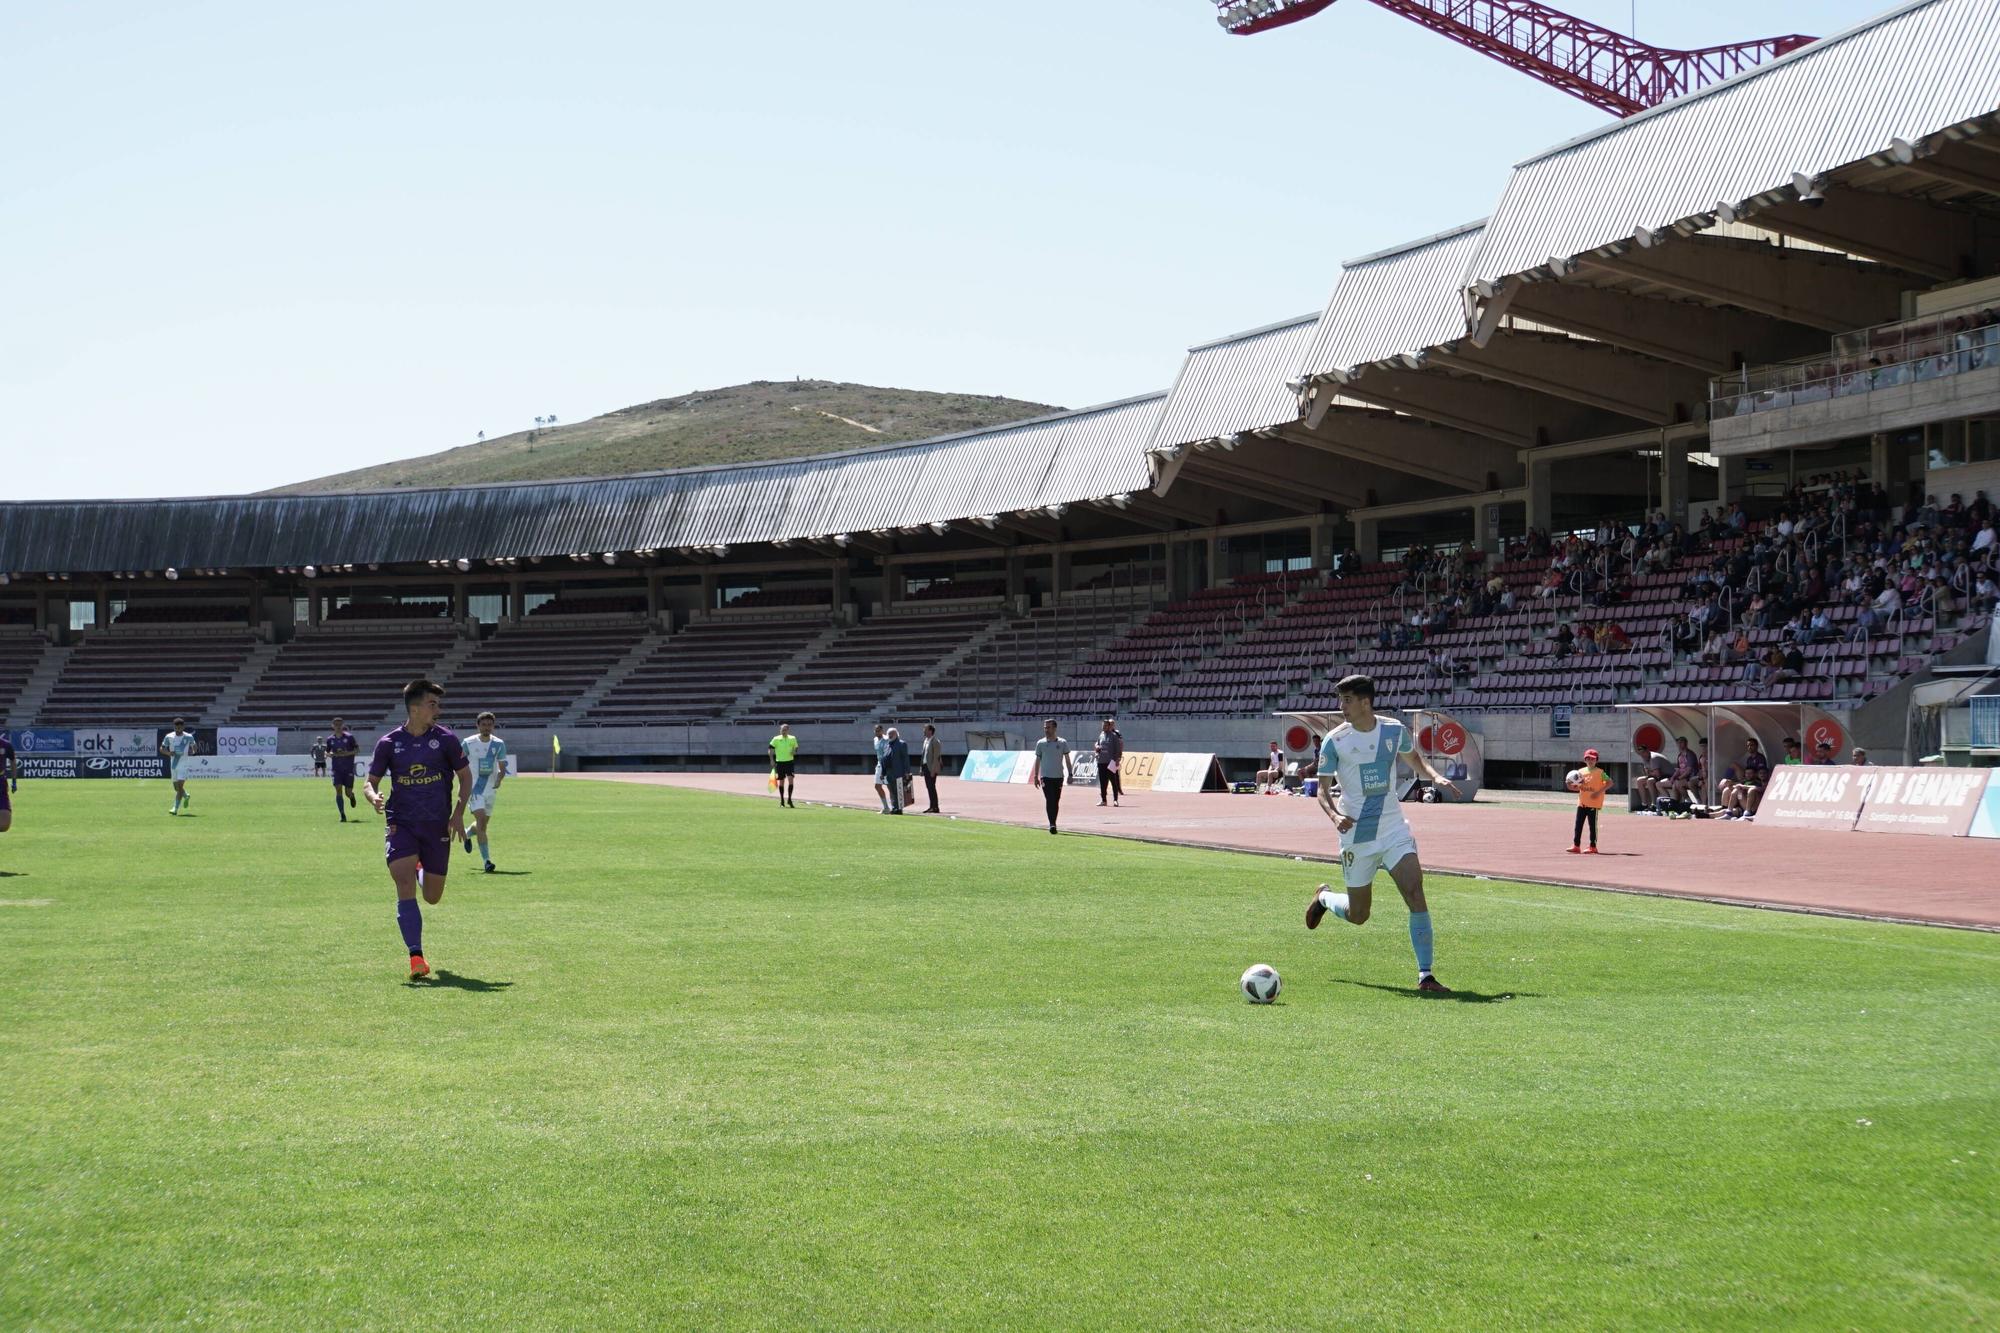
1575 851
1430 985
468 842
489 867
1315 909
1590 851
418 967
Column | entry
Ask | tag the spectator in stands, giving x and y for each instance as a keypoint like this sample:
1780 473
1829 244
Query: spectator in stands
1612 638
896 769
1822 753
1985 592
1820 629
1109 751
1866 622
1715 649
1586 640
1565 638
1889 601
881 757
1685 634
1792 753
1860 759
932 762
1051 758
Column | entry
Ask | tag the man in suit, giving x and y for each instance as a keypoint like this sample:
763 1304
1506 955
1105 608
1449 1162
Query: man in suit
932 760
895 768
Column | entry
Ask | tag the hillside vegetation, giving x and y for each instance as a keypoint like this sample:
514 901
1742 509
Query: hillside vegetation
742 424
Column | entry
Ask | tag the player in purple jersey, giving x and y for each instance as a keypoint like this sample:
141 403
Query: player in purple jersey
342 747
10 776
422 758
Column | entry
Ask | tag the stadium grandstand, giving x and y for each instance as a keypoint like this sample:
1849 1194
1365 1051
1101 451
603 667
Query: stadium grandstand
1726 428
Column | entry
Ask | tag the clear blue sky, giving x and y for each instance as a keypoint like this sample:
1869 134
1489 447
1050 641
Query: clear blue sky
249 243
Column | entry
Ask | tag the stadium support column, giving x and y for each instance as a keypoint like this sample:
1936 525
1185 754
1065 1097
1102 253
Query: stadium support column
840 586
1059 578
458 603
1017 578
1730 472
103 611
653 594
1368 539
1541 494
1323 545
1484 520
1674 479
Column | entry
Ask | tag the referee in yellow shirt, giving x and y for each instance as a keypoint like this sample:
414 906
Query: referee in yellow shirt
784 757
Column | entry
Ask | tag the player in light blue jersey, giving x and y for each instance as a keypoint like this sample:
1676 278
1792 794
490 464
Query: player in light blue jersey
177 745
1363 752
487 754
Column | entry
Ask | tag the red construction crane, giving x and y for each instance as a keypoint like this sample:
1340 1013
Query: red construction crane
1606 69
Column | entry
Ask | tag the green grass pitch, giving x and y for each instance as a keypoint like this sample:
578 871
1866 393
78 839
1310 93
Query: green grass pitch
699 1062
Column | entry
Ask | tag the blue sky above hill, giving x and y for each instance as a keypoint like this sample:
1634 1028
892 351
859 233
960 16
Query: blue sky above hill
250 244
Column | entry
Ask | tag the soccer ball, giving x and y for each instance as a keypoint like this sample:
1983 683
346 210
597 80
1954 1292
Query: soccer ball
1261 983
1571 778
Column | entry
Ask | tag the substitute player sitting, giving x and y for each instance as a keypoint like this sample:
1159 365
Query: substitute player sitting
1363 750
488 754
421 758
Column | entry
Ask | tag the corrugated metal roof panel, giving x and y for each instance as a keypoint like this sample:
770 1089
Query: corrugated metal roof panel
1910 73
1395 301
1235 384
1061 459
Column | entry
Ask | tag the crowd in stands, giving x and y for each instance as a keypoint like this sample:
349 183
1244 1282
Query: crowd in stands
1833 565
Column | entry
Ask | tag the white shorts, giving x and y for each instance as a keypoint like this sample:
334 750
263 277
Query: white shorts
482 801
177 770
1360 862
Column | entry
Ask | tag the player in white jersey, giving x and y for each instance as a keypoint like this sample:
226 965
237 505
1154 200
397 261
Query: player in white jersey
487 754
1363 752
177 745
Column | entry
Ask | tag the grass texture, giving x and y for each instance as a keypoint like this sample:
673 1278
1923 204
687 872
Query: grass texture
695 1061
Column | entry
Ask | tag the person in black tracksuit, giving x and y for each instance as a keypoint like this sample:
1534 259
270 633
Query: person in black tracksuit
1110 750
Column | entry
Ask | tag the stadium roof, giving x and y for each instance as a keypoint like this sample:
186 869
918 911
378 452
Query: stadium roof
1065 458
1398 300
1235 384
1906 74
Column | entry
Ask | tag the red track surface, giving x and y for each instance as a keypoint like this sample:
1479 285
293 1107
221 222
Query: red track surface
1897 877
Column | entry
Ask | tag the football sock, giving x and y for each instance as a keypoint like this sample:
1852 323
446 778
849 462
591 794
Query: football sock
1420 940
410 920
1335 903
484 854
339 807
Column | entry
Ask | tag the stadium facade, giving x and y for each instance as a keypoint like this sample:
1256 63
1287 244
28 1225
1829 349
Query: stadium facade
1792 274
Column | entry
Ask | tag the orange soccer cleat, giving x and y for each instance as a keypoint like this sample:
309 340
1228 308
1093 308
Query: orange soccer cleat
418 967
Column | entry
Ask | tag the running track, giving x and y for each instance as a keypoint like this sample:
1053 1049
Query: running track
1886 876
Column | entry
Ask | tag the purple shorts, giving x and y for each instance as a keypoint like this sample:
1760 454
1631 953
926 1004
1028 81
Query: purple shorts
429 843
5 804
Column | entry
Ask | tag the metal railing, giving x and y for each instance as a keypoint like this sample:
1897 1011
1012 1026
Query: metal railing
1861 362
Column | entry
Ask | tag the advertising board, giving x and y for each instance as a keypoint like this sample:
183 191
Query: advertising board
1811 796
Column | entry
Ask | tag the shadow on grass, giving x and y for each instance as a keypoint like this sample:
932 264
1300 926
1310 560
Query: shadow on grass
503 872
443 980
13 874
1457 996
